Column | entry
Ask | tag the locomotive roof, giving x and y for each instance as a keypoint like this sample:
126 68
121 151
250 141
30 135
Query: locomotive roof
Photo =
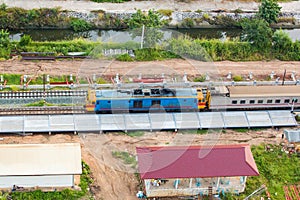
178 92
264 91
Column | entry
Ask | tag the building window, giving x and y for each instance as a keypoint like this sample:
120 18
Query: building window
277 101
234 102
286 101
260 101
242 101
252 101
269 101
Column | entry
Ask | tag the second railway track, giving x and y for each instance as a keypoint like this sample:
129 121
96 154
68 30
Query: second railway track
43 110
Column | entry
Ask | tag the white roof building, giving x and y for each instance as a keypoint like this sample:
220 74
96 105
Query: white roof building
39 165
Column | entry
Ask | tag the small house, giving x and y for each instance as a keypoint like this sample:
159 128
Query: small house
195 170
39 165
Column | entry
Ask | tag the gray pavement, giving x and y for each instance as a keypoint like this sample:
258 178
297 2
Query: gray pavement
87 6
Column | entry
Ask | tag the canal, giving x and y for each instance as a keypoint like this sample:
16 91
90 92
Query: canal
124 36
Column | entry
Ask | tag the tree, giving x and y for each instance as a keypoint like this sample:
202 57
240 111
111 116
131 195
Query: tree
138 19
4 44
152 21
282 43
258 33
269 10
4 38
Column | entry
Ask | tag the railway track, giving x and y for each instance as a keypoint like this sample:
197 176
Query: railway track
42 110
39 94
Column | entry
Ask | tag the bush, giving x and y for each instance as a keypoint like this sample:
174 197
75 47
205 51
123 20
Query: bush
281 42
201 78
79 25
25 40
125 58
165 12
237 78
269 10
188 22
258 33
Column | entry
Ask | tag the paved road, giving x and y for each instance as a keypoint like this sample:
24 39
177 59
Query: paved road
86 6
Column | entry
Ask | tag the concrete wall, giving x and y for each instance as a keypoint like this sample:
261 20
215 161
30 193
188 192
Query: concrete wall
39 181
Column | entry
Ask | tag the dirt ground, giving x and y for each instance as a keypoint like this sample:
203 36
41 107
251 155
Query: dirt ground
115 180
170 68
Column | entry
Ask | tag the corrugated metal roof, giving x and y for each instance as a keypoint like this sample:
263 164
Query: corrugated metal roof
40 159
145 121
264 91
196 161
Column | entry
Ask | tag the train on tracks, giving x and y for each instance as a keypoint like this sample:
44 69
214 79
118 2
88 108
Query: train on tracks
194 99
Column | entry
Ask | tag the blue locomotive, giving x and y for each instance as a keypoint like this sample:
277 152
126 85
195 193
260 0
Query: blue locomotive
149 99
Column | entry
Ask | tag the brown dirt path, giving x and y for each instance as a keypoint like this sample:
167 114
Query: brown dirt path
155 68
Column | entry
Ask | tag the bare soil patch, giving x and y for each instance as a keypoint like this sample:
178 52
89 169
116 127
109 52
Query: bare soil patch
109 68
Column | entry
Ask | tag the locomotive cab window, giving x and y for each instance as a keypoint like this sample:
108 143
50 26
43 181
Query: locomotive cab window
234 102
260 101
269 101
242 101
252 101
138 104
277 101
286 101
295 100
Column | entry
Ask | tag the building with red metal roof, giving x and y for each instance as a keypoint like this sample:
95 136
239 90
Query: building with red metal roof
191 170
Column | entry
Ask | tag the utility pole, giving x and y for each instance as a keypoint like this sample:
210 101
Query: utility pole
142 39
44 87
283 76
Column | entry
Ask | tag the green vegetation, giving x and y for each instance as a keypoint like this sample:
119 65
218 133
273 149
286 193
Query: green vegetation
15 79
135 133
276 46
127 158
44 103
298 118
165 12
151 22
4 44
79 25
258 33
237 78
39 103
241 130
276 169
269 10
188 23
25 40
202 131
18 18
201 78
85 181
281 42
150 19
